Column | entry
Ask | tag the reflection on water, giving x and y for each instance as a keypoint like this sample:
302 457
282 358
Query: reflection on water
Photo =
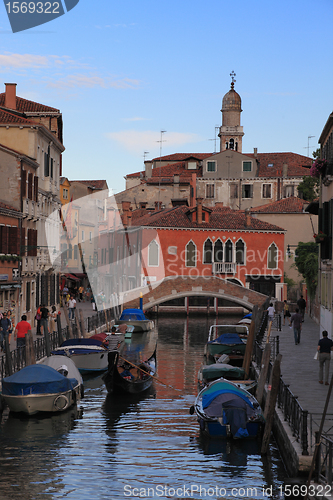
116 446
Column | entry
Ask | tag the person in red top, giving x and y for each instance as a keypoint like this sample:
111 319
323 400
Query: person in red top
22 328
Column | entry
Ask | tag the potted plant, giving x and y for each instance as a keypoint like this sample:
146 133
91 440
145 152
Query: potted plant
318 168
320 237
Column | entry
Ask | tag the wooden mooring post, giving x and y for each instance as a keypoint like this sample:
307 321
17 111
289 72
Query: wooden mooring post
70 330
271 402
30 355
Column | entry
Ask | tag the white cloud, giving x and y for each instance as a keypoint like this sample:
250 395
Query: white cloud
136 141
23 61
81 80
134 119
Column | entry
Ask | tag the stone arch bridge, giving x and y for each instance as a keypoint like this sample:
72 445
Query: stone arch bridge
173 287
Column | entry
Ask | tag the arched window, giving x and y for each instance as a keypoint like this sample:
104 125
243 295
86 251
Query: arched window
153 253
231 144
208 252
218 251
228 251
272 257
70 251
190 254
240 252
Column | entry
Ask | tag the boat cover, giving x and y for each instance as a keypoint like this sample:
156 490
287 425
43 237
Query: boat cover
99 336
37 379
236 410
82 341
222 370
132 315
227 338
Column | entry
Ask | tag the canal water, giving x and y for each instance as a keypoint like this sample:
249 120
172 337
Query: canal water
148 446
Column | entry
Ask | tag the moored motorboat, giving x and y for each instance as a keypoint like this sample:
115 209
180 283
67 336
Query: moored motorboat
126 376
227 339
88 354
226 410
136 318
52 385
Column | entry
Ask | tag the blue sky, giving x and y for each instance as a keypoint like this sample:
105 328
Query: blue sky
120 72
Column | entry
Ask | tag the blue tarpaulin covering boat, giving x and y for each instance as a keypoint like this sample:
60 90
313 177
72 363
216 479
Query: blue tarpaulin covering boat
226 410
36 379
136 318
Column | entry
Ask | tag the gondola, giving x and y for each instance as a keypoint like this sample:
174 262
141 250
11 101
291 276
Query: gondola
128 377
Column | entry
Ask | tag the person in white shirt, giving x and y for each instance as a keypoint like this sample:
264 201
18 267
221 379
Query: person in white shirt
271 312
71 308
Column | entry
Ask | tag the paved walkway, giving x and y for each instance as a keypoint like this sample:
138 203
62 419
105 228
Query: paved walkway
300 370
87 312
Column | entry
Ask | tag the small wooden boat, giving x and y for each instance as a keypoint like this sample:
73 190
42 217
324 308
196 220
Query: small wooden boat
88 354
52 385
136 318
129 377
226 410
227 339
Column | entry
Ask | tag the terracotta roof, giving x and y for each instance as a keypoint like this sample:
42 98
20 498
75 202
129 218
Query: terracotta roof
183 156
7 117
136 174
296 164
8 207
220 218
25 106
286 205
95 184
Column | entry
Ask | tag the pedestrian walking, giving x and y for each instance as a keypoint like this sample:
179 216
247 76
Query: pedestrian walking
12 324
5 325
22 328
296 319
44 320
286 312
271 312
301 306
38 318
52 319
325 346
71 308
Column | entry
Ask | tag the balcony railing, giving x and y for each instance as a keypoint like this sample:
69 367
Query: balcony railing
224 267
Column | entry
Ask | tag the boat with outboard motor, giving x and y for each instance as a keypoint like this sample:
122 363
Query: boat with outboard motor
226 410
51 385
136 318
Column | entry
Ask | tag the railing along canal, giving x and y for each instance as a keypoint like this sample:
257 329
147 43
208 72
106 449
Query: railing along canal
56 338
287 402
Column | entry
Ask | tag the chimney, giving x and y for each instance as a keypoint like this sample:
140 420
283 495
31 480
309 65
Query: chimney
247 218
285 170
10 95
158 205
143 204
255 152
126 205
199 210
193 189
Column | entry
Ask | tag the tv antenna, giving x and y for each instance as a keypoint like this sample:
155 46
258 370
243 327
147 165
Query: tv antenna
308 146
159 179
215 138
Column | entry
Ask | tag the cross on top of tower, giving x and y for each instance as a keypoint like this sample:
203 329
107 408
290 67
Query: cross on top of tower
232 74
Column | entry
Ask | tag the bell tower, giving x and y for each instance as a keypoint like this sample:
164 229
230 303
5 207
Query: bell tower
231 132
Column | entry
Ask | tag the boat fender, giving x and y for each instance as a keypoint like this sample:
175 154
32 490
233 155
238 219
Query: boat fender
58 402
191 410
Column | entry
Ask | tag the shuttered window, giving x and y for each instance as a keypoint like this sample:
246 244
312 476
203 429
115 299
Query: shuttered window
24 183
